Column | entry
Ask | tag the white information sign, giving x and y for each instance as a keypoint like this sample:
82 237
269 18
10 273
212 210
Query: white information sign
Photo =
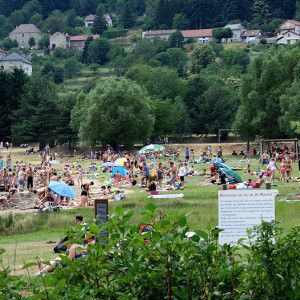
240 210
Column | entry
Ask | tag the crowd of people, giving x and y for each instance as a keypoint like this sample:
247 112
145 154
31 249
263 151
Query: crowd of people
155 172
278 159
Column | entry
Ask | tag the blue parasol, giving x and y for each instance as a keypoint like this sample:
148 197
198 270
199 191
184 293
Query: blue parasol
62 189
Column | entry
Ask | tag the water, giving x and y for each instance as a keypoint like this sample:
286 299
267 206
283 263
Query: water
20 199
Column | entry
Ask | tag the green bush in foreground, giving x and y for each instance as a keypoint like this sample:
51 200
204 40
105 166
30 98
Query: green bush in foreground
165 263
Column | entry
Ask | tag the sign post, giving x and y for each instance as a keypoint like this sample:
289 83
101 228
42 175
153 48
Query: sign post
101 215
240 210
101 211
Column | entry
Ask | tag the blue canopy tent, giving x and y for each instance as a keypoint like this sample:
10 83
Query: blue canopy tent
119 169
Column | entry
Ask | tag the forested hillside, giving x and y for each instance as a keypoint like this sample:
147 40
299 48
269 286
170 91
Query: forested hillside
176 87
154 13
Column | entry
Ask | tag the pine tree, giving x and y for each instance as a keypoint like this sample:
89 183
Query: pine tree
260 12
297 15
100 24
85 52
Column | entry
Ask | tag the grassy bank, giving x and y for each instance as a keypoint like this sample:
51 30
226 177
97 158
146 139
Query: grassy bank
25 235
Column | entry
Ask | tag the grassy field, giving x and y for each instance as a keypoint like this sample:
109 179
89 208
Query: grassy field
25 235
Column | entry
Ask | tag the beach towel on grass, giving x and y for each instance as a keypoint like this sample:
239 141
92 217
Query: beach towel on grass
169 196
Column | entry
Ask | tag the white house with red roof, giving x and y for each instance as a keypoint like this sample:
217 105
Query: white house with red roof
199 35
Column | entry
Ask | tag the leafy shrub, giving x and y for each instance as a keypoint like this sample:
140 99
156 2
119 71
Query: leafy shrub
114 33
167 261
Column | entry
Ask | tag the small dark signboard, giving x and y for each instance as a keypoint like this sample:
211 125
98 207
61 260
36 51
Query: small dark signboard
101 211
101 215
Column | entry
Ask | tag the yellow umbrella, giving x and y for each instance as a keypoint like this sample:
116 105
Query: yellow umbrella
120 161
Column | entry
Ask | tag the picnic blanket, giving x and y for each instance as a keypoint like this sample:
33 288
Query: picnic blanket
168 196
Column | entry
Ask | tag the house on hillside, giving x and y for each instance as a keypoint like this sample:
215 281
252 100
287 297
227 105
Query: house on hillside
237 30
77 42
2 53
199 35
288 38
23 33
289 25
251 36
15 60
59 40
163 34
90 19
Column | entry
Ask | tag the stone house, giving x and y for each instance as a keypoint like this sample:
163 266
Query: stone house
199 35
237 30
251 36
59 40
15 60
77 42
288 38
23 33
90 19
289 25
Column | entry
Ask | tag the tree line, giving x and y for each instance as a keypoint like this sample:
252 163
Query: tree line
158 90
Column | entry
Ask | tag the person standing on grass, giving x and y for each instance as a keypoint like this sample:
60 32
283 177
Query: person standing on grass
182 173
160 175
209 151
80 175
146 174
288 169
21 178
173 173
272 168
220 152
29 174
192 155
187 154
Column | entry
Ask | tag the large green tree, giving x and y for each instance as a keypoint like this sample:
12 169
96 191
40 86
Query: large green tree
98 50
117 112
201 57
176 40
268 95
174 58
161 83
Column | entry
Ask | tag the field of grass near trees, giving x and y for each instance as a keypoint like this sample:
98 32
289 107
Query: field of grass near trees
24 235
